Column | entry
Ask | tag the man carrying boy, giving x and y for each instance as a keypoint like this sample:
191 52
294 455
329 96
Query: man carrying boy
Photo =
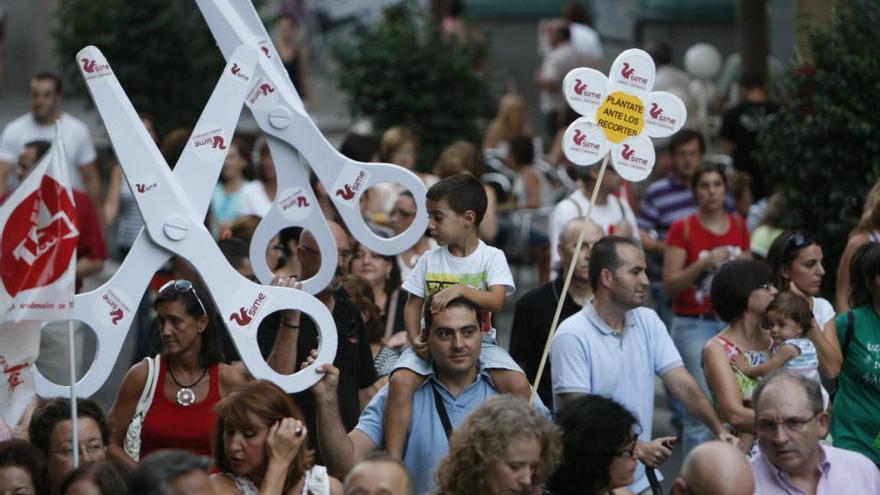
457 387
463 266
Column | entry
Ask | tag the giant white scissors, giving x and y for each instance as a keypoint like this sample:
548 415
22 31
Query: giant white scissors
173 225
280 114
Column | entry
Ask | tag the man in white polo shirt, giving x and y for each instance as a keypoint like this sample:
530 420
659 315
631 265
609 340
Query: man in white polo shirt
39 125
614 347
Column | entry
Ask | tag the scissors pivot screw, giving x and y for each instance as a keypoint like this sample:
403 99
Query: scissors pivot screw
279 117
176 227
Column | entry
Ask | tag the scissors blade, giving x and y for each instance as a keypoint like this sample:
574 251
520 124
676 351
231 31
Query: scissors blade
237 23
278 111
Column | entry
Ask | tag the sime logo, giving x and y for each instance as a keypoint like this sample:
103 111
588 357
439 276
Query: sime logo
212 138
266 88
299 201
657 113
629 73
265 51
142 188
245 315
91 67
580 139
581 89
628 154
236 71
349 190
116 315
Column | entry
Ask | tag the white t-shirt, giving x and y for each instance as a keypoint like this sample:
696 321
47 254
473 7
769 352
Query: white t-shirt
586 41
575 205
557 63
78 145
822 311
254 200
438 268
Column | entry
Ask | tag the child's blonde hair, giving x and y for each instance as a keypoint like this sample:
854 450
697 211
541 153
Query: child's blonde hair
793 306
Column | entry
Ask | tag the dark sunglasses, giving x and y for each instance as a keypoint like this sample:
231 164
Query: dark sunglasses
182 287
795 243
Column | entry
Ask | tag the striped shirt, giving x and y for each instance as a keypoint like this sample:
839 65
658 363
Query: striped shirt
664 202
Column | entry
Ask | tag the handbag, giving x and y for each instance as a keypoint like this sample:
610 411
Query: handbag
132 442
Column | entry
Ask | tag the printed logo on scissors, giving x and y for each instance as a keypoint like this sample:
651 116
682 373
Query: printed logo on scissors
92 69
236 71
348 191
116 308
142 187
246 314
212 139
39 240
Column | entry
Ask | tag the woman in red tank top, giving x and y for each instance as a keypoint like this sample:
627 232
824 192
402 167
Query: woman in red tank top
191 379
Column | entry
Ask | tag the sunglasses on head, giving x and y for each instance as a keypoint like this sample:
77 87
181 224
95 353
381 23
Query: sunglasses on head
182 286
795 243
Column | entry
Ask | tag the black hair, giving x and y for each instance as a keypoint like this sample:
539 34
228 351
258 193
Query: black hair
458 301
52 76
22 454
660 51
522 150
752 80
734 283
54 411
359 147
595 429
235 251
462 192
604 256
784 250
685 136
709 168
42 146
575 11
210 352
109 476
157 470
863 270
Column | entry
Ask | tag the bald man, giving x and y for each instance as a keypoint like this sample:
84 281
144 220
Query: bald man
353 355
715 468
379 474
534 311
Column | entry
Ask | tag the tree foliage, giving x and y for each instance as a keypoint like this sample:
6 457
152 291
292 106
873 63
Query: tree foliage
161 52
823 147
406 72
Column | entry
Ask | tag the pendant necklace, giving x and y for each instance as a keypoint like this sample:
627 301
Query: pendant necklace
185 395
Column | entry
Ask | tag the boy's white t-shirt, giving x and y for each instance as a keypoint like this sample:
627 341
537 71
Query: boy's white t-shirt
438 268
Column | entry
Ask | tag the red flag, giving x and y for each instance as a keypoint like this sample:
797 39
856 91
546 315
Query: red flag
38 238
38 243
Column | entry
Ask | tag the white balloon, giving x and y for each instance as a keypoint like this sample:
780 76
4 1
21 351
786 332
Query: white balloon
702 60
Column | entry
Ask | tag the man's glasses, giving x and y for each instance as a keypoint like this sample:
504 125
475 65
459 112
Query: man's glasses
89 451
183 286
791 425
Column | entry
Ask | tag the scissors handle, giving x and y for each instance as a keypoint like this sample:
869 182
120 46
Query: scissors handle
294 205
109 311
243 305
279 112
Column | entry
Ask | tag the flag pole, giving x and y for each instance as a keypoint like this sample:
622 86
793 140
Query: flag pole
73 414
71 345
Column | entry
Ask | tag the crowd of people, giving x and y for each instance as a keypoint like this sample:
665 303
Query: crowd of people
773 388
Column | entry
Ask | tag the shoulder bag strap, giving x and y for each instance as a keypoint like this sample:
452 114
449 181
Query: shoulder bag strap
149 387
441 411
391 313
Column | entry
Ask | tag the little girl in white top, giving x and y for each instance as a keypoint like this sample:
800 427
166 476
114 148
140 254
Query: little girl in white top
790 318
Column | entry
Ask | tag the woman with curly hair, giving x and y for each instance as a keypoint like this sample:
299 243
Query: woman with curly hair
504 446
599 441
260 446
